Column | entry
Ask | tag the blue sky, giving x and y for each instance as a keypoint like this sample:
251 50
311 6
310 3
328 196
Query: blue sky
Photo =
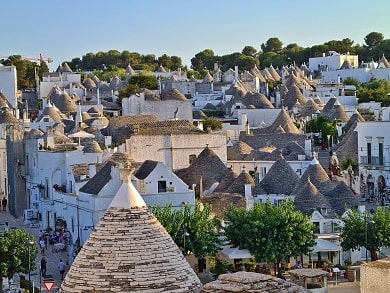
67 29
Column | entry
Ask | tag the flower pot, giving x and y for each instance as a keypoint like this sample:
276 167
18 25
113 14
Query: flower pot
351 276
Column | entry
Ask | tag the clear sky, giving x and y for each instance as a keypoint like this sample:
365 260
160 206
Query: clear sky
68 29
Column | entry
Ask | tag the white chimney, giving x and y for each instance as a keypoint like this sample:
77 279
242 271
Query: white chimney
92 170
236 73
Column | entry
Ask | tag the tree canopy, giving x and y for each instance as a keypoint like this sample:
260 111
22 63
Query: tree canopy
15 246
322 125
373 39
136 82
357 225
213 123
25 70
270 232
193 230
375 90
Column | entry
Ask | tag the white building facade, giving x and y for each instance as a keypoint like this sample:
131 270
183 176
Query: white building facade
374 160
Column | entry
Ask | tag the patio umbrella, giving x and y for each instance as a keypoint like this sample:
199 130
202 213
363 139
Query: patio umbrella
81 134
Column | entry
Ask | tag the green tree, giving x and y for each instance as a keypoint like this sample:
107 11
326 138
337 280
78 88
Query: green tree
14 253
272 45
144 80
25 70
195 226
351 81
249 51
373 228
165 61
176 62
270 232
213 123
245 62
373 39
323 126
375 90
350 162
203 59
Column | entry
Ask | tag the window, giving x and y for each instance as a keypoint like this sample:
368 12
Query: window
380 146
380 153
369 152
317 227
192 159
162 186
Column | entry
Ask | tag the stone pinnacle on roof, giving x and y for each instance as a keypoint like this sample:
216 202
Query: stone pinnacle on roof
127 195
130 251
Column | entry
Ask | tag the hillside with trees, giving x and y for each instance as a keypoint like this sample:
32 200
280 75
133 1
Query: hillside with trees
105 65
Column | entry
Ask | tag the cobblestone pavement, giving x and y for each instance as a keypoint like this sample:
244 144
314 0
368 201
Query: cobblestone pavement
52 257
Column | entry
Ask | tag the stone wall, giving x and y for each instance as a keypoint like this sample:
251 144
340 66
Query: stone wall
375 276
251 282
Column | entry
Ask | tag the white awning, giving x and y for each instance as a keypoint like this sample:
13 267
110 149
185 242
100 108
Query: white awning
323 245
235 252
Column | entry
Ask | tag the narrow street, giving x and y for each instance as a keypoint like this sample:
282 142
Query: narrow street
51 255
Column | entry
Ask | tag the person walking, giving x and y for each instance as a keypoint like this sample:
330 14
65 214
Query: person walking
43 266
61 267
42 245
6 227
4 203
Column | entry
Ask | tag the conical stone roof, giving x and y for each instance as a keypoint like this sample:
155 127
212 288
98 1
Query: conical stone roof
258 100
318 177
293 95
238 185
64 103
328 106
309 108
173 94
208 166
130 251
238 151
7 117
342 197
89 83
225 183
309 198
274 73
50 111
337 112
284 121
280 179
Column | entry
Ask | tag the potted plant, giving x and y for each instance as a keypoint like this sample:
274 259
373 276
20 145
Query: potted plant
348 264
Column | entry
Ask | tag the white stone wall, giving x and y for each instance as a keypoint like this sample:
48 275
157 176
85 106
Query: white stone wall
164 110
3 168
333 61
48 82
373 131
8 84
174 150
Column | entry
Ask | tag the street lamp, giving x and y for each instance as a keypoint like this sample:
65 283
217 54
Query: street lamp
29 244
366 237
185 233
366 233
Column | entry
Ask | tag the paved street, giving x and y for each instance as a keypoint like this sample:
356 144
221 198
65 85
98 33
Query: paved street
52 257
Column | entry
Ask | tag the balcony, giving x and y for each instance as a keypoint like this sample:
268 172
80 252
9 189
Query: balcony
371 161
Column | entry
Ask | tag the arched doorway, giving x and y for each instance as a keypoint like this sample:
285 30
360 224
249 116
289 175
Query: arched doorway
370 187
381 182
363 191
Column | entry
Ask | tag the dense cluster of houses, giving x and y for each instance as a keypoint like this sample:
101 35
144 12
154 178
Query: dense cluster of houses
61 163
